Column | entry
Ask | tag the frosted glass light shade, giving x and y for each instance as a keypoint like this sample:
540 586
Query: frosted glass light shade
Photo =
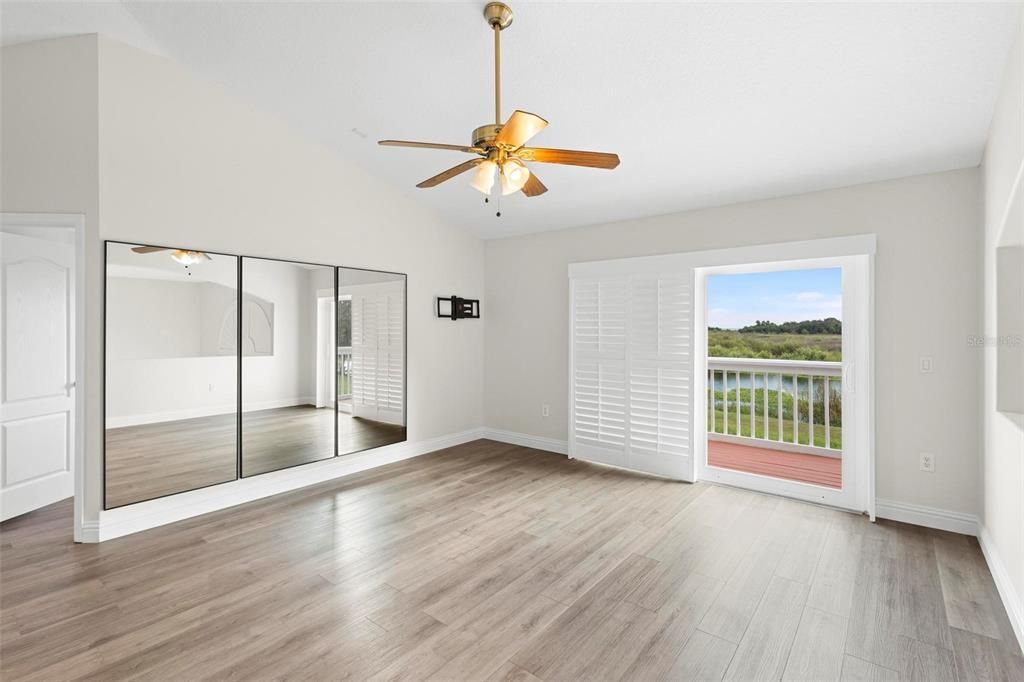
513 176
483 177
187 257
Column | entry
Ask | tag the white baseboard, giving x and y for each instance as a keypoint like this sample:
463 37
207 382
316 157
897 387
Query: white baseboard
1007 592
208 411
929 517
526 440
133 518
90 532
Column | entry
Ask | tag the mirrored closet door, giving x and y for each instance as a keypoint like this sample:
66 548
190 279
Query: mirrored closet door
171 371
371 359
288 391
220 366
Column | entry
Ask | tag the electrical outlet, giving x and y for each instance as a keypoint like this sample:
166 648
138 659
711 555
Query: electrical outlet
545 410
928 462
211 388
926 364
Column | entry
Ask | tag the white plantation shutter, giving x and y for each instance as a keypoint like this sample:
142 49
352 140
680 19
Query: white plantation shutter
378 353
599 376
631 373
660 365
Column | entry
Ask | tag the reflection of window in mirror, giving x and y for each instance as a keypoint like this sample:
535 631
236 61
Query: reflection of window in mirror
258 330
371 359
345 320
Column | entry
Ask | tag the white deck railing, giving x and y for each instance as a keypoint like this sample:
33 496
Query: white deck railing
784 404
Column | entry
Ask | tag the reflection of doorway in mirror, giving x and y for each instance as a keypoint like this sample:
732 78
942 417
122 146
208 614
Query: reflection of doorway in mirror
344 352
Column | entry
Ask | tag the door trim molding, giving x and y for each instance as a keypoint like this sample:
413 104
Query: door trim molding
857 252
75 222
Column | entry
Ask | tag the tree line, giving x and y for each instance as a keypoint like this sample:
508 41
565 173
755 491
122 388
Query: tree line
829 325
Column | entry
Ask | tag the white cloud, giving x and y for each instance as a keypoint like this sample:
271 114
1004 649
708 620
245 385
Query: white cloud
810 296
782 308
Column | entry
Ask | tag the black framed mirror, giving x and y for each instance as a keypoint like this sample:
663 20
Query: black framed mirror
287 364
371 351
170 371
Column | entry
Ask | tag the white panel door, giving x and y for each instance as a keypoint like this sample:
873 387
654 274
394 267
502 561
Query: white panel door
378 352
36 373
632 371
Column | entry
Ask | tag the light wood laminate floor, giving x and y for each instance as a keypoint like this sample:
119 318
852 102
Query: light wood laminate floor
153 460
494 562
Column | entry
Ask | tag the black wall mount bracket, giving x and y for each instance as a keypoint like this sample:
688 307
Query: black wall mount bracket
455 308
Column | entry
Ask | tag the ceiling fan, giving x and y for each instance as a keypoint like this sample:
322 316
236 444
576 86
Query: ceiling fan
500 147
183 256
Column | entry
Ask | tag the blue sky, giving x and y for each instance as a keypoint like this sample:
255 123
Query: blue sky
735 301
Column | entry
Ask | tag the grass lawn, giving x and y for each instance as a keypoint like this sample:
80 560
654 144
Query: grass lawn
732 344
757 431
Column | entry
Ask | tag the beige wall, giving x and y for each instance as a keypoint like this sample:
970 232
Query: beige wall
160 157
48 164
927 282
1003 474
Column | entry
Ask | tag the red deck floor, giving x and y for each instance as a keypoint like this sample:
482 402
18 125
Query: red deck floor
792 466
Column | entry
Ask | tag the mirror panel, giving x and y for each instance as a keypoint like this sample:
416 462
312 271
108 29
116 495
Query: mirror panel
287 364
371 334
171 371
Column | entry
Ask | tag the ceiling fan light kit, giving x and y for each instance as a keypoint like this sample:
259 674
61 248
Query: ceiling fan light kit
189 257
500 146
182 256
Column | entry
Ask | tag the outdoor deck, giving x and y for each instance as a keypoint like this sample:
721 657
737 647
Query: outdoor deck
792 466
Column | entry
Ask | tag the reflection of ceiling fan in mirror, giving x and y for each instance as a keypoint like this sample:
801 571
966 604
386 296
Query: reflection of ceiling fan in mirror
500 147
183 256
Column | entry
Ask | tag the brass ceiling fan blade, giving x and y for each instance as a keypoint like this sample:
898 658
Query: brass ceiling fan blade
520 127
534 187
569 157
430 145
149 249
450 173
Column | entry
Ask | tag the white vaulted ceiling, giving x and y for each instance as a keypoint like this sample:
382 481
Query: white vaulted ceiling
706 104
